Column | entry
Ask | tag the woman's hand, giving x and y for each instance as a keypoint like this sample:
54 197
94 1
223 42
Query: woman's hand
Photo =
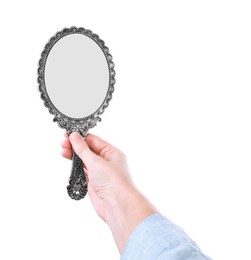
105 167
110 187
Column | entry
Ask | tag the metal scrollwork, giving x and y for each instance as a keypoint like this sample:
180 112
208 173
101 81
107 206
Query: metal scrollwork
77 187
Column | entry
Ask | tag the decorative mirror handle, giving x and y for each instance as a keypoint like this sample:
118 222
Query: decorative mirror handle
77 187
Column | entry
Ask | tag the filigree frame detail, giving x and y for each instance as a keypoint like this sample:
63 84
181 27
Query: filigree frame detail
81 125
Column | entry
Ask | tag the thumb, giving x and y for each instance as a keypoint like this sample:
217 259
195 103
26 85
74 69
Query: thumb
81 148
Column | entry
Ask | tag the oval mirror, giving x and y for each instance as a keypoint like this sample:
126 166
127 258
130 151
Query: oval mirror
76 80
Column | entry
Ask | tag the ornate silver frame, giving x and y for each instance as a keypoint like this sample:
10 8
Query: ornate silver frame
77 187
81 125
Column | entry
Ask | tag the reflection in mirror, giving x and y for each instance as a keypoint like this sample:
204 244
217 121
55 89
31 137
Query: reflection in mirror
76 80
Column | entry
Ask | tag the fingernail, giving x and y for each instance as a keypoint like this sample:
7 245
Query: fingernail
75 137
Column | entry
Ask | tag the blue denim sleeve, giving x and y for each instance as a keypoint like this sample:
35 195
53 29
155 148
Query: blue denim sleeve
158 238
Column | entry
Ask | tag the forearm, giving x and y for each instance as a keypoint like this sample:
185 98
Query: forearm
125 212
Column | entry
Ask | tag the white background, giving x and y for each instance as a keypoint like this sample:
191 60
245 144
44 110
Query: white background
181 112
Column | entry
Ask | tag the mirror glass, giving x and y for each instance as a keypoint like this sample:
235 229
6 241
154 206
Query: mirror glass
76 76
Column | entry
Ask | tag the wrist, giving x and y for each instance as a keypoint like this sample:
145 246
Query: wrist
125 211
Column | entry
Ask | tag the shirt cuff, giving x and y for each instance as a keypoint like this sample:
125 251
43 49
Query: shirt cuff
156 235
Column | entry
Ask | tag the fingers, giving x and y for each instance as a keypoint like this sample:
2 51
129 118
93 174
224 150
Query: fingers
66 135
67 148
67 153
66 144
82 150
93 144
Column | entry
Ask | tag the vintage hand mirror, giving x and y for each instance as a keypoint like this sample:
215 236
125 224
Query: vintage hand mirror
76 80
